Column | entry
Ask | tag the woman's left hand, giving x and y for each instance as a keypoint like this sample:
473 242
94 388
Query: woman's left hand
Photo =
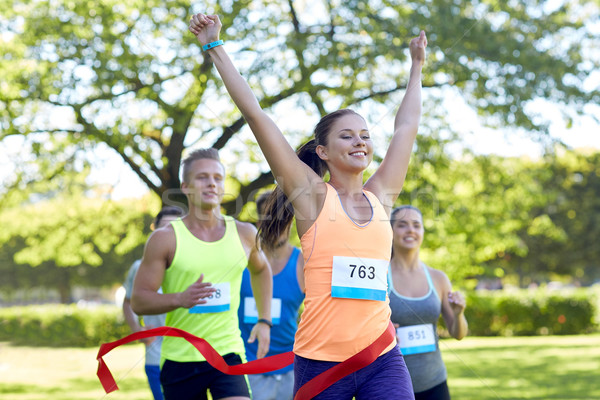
457 302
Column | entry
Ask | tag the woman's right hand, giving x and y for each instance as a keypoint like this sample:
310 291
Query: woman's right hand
205 27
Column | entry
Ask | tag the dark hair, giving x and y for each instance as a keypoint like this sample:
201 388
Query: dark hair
403 207
278 211
200 154
167 210
260 203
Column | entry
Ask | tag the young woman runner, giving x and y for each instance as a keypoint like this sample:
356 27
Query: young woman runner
343 226
418 295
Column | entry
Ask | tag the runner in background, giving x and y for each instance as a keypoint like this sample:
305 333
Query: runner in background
152 344
288 294
418 295
199 260
343 225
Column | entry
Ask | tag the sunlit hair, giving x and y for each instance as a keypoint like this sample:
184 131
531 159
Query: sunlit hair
200 154
165 211
278 211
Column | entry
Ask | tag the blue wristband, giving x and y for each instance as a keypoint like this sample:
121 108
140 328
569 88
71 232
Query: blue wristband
209 46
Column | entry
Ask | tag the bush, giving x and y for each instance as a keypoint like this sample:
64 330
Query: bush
489 313
527 312
58 325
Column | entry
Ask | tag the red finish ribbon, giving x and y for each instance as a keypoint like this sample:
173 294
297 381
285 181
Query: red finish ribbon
260 366
360 360
271 363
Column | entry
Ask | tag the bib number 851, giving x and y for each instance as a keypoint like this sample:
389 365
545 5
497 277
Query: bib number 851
417 335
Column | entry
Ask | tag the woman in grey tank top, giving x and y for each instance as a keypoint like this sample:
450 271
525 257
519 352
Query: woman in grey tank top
418 295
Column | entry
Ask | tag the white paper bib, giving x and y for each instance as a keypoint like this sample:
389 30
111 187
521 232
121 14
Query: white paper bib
216 302
416 339
251 313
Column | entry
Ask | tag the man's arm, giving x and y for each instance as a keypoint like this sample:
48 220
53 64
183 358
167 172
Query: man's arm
261 280
132 319
145 299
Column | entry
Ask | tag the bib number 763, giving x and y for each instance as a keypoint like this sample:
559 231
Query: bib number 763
359 278
362 271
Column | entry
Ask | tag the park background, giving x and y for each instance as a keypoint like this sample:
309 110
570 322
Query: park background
100 101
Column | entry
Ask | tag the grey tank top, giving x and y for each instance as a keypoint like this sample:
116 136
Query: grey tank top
426 369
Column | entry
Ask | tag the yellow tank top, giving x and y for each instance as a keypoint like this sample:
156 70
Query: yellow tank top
345 270
222 262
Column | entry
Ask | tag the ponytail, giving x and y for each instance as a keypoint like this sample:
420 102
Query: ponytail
278 211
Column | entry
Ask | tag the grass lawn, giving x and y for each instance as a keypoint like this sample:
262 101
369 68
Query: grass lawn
547 367
42 373
555 367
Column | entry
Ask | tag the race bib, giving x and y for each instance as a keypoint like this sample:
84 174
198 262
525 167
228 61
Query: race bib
359 278
251 313
416 339
216 302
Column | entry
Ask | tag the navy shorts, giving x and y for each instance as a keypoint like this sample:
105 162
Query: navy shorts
191 380
438 392
387 377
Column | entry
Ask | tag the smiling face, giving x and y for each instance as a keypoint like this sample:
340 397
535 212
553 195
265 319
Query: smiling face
349 144
408 229
205 183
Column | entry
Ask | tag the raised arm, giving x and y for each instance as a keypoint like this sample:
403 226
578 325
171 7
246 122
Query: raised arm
386 183
289 171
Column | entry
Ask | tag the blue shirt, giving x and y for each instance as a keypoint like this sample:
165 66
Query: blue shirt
287 298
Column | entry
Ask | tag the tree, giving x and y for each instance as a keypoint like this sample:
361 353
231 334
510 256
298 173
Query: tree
570 182
129 76
60 242
531 220
77 78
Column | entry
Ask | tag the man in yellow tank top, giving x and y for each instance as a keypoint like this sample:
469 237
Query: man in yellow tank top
199 260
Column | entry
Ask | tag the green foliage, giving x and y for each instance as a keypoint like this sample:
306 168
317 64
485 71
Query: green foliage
571 183
62 325
489 216
78 77
532 312
131 77
72 240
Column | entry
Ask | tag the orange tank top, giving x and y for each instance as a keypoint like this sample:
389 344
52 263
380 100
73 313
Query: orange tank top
345 270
